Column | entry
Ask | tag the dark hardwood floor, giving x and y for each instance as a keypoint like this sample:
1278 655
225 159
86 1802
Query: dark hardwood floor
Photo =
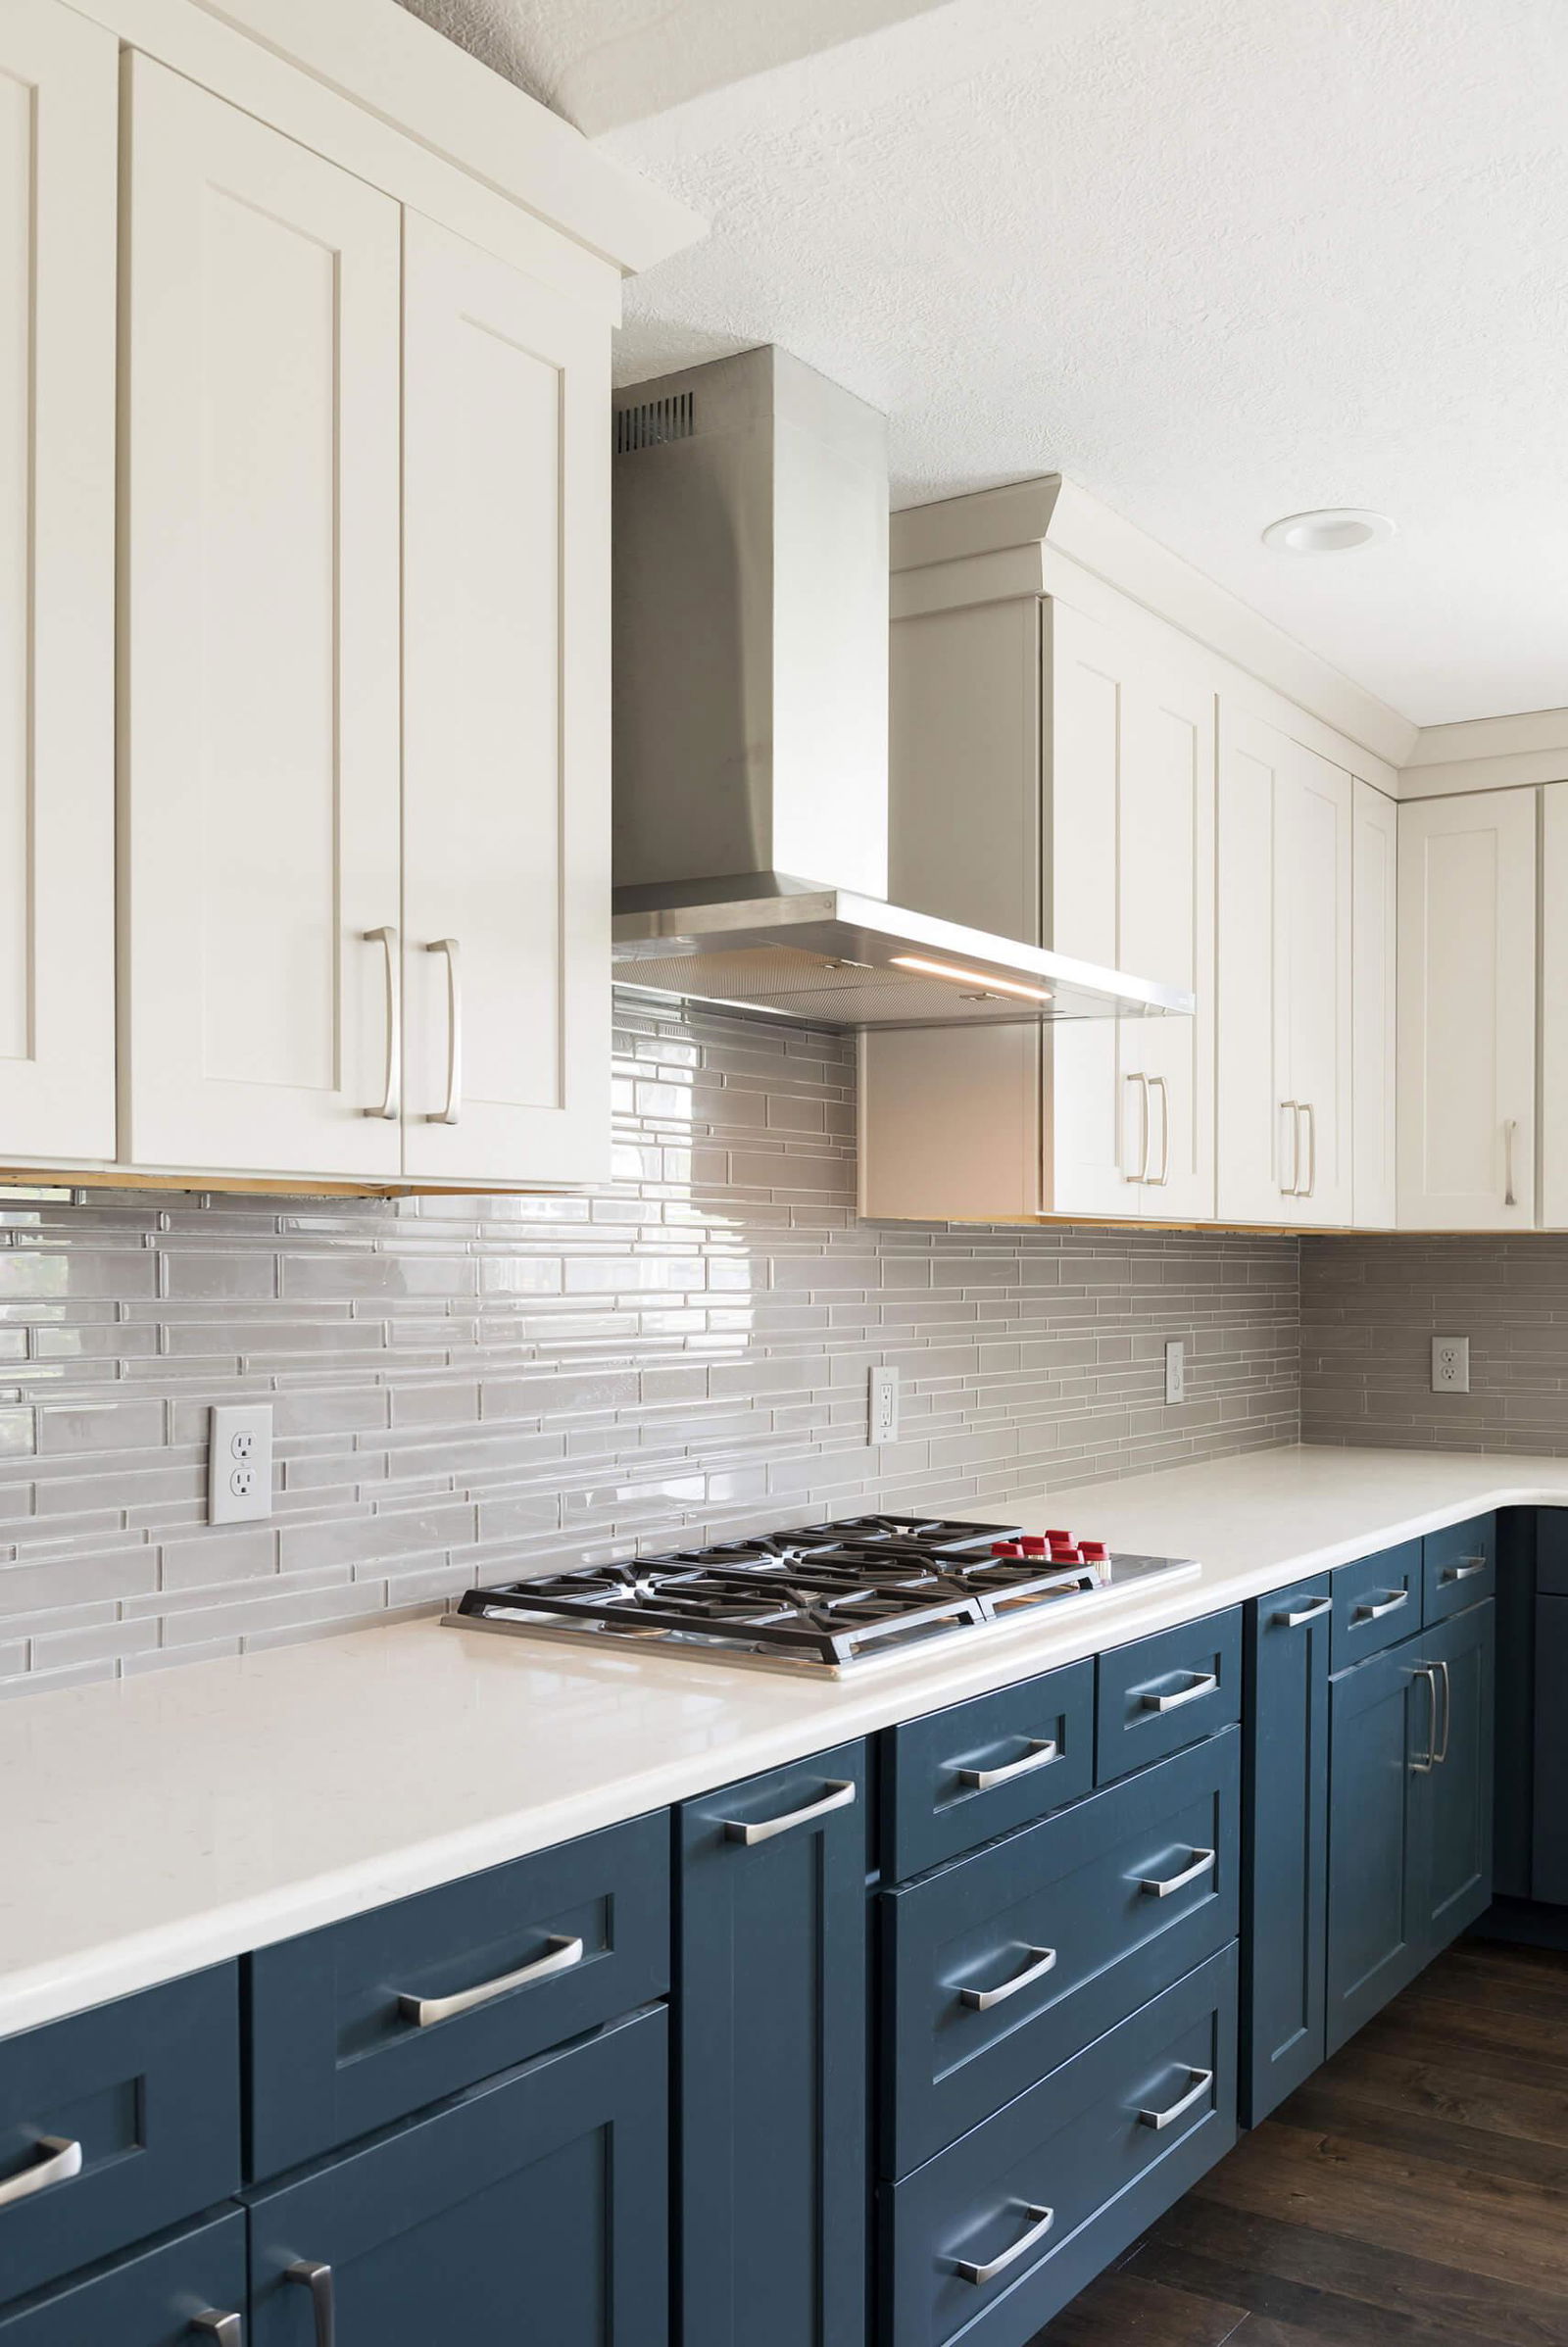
1414 2193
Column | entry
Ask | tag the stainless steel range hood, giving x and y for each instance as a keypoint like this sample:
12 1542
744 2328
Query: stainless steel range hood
751 736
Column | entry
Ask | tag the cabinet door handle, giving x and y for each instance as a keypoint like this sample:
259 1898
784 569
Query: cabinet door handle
563 1953
318 2280
1154 1888
1510 1128
981 2001
1424 1768
1305 1613
1291 1118
227 2330
450 1114
1375 1611
1466 1570
1160 1085
1041 2222
1307 1110
1201 2081
62 2161
1204 1682
839 1795
1143 1148
1043 1751
1441 1752
387 938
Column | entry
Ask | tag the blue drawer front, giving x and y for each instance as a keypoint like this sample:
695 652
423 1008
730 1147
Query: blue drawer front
1377 1602
1074 2145
1460 1567
146 2299
1070 1889
1168 1691
333 2051
960 1777
149 2088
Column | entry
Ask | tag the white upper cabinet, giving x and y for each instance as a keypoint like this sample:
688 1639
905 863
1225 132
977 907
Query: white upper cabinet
1374 884
505 746
59 107
1555 1009
1467 1011
261 634
1285 1040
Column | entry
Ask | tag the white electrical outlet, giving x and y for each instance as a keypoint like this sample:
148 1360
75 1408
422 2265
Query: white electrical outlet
239 1462
1450 1364
1175 1370
884 1386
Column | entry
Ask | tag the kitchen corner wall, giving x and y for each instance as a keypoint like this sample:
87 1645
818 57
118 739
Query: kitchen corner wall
473 1387
1370 1308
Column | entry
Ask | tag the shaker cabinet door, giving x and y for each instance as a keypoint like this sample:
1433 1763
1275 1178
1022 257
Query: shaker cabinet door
59 111
261 822
1382 1734
1286 1719
505 711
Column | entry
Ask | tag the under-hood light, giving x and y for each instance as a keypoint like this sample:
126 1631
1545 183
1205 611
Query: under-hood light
990 986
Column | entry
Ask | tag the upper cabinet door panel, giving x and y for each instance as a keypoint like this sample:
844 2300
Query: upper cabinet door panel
1374 889
505 697
1255 1152
1554 1010
1467 1011
260 635
1312 1005
59 110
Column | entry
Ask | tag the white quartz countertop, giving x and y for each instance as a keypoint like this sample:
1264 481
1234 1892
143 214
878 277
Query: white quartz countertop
164 1822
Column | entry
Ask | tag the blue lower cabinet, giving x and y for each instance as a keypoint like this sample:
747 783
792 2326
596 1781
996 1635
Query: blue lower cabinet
119 2122
1286 1720
174 2291
995 1970
1377 1603
1167 1690
531 2208
959 1777
771 2059
1549 1863
990 2239
1383 1723
1455 1791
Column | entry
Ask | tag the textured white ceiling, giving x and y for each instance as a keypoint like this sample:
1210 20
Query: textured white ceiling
1216 259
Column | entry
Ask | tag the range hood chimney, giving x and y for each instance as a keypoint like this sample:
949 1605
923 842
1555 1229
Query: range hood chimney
751 723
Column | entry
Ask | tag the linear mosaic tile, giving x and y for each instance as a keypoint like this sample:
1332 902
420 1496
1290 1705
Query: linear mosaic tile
466 1388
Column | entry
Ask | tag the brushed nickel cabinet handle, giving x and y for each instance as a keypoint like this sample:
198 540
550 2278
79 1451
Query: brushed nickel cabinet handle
1143 1148
1291 1118
1381 1606
1307 1110
839 1795
62 2161
1041 2222
1204 1682
1466 1570
390 1109
1043 1751
1201 2081
1510 1128
450 1114
1293 1620
1424 1768
1441 1752
1154 1887
318 2280
1160 1085
981 2001
564 1953
227 2330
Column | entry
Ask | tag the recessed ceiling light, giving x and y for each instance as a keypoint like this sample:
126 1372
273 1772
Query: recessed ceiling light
1335 529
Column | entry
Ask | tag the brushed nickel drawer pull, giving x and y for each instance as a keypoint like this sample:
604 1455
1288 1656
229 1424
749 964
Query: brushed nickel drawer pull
564 1953
318 2280
1381 1606
1465 1570
981 2001
387 937
1428 1672
840 1795
227 2330
1201 2081
1160 1085
60 2162
1043 1751
453 1109
1441 1752
1142 1152
1202 1863
1204 1682
1305 1613
1042 2220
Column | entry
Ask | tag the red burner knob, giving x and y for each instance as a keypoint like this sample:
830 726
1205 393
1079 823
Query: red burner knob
1005 1548
1094 1552
1059 1539
1032 1544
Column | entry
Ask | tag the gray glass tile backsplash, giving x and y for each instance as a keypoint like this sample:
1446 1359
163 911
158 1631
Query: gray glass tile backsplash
468 1387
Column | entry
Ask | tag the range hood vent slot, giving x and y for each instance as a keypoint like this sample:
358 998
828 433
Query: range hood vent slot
654 423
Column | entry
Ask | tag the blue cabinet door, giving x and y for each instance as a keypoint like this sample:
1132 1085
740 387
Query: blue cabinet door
1382 1722
1455 1793
1286 1840
1548 1870
531 2208
176 2291
772 2062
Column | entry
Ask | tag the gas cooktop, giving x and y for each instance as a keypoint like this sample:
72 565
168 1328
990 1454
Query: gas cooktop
822 1598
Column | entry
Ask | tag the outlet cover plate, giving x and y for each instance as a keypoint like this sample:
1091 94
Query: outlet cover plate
1450 1364
239 1462
884 1397
1175 1370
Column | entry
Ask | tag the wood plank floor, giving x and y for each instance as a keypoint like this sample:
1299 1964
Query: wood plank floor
1414 2193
